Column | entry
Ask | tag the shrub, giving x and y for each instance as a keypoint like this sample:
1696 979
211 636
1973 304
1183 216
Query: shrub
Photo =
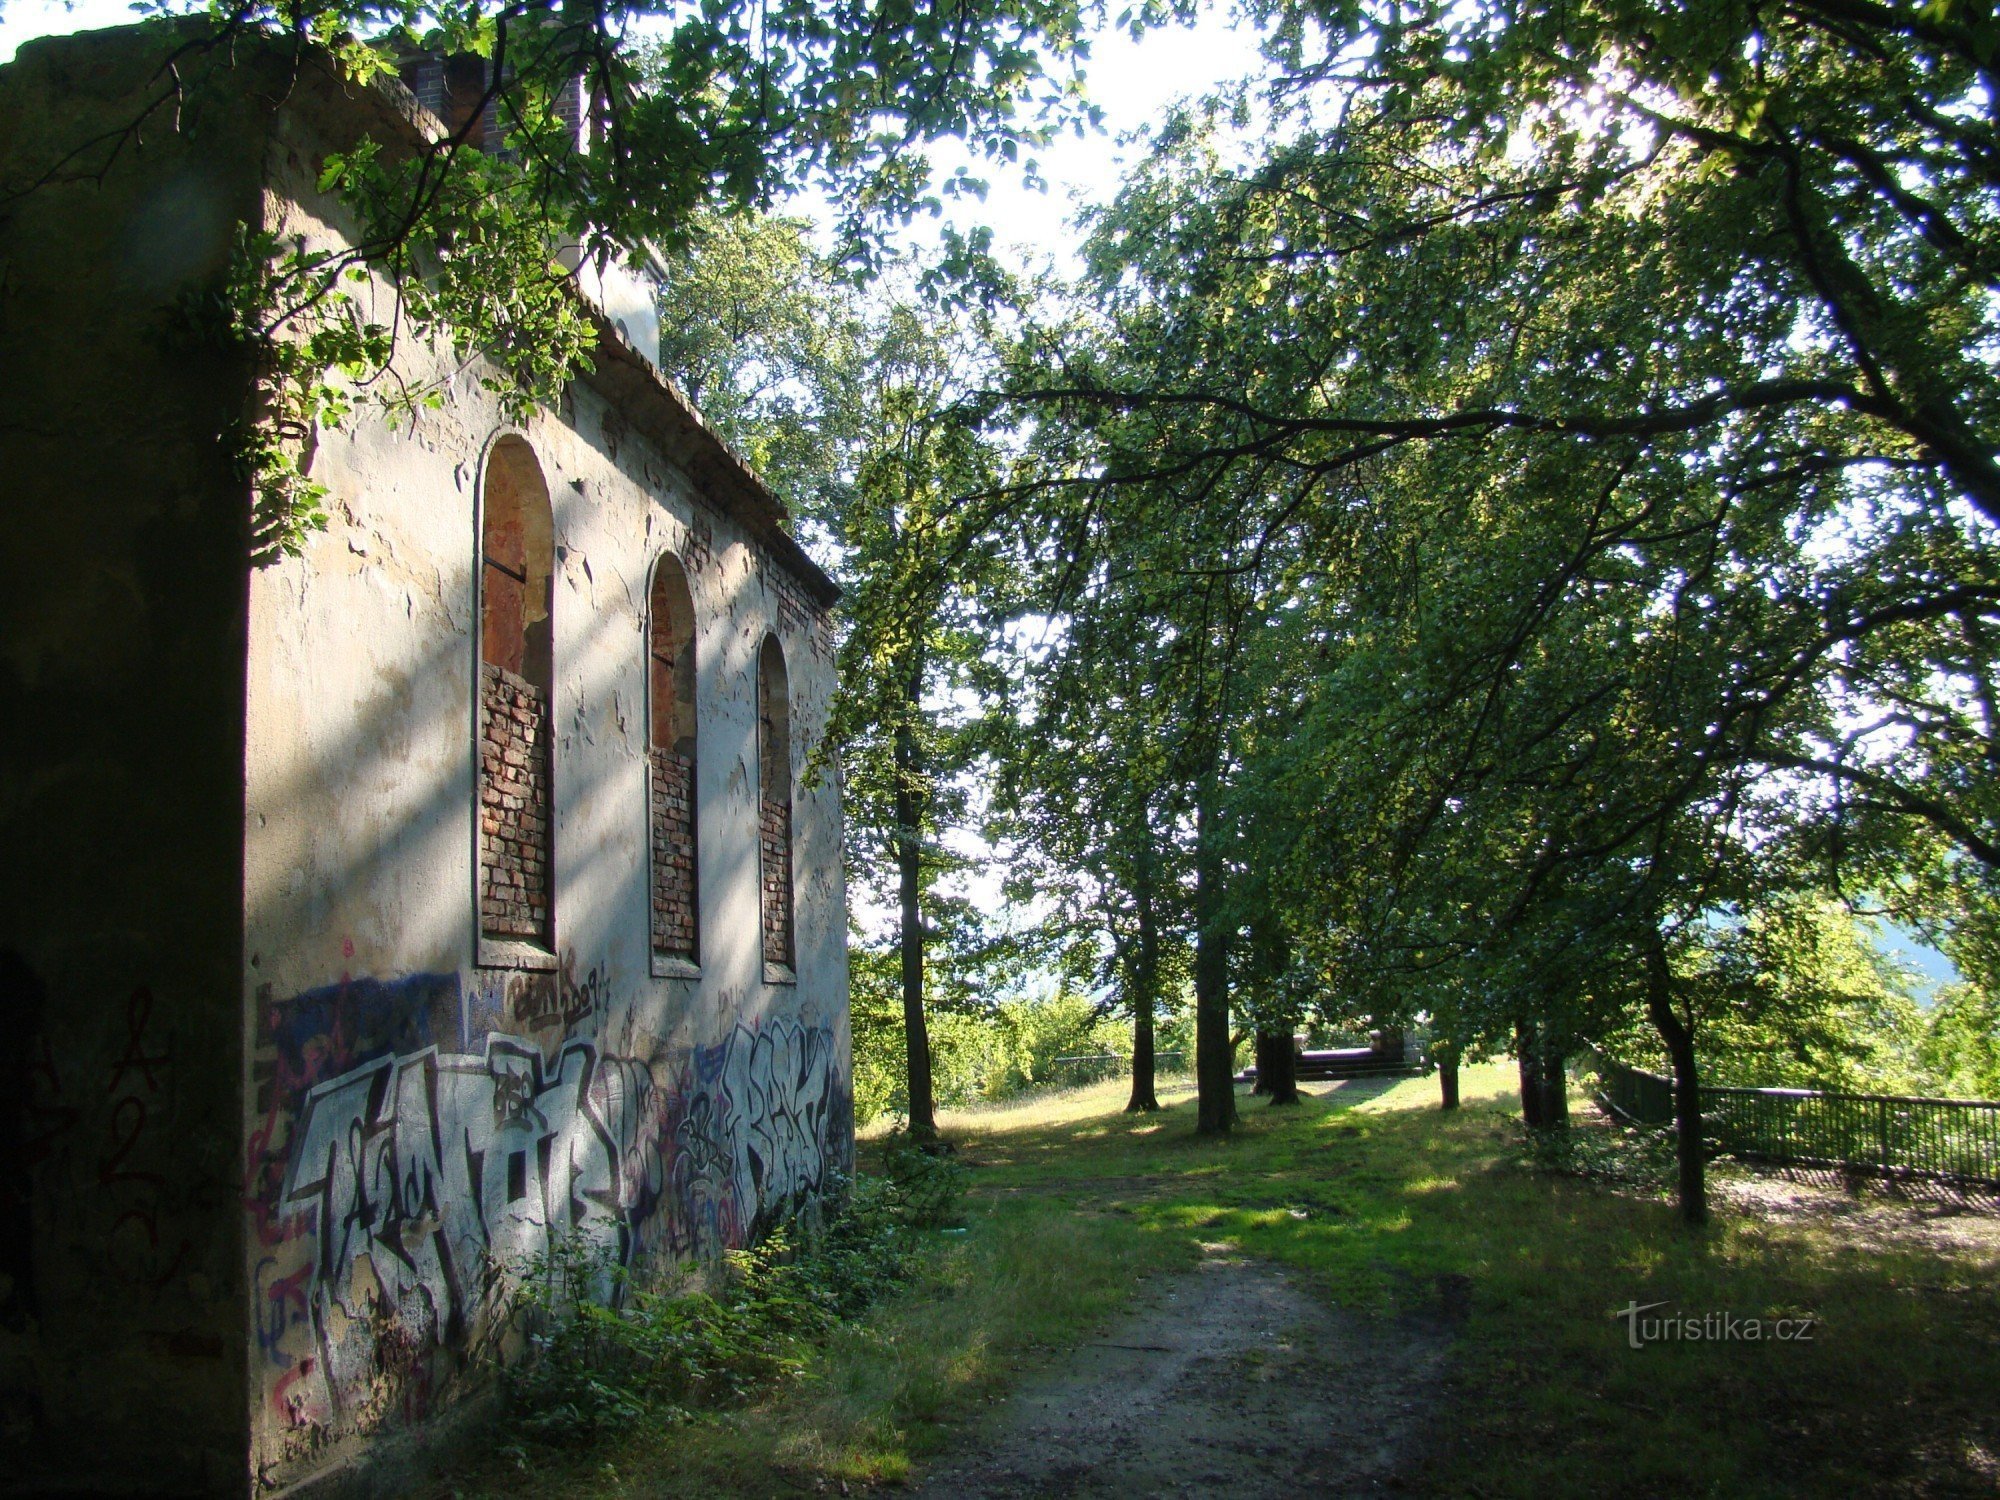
603 1351
922 1185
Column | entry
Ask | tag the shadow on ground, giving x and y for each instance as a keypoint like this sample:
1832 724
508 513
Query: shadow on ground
1228 1378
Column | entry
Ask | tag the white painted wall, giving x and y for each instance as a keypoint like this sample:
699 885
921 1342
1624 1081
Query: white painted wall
360 879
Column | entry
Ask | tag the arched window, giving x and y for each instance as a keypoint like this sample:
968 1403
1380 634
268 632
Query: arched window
670 693
516 681
774 778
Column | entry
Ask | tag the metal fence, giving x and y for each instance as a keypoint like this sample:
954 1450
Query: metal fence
1632 1094
1957 1140
1095 1067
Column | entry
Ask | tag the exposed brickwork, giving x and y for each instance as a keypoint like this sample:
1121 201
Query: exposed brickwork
513 807
424 77
673 855
698 554
774 840
800 617
793 621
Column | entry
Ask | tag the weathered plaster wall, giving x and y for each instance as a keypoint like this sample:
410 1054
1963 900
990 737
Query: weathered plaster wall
416 1122
121 658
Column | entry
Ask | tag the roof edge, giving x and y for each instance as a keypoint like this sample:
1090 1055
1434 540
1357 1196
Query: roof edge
622 373
657 408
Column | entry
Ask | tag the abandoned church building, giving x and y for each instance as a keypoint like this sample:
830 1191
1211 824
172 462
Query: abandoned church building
379 919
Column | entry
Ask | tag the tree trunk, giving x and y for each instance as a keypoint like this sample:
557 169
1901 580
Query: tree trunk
1145 975
1544 1082
909 868
1277 1067
1447 1061
1552 1072
1214 1057
1528 1061
1679 1037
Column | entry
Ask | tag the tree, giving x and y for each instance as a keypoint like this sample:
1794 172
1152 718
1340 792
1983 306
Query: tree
1083 796
1269 988
1597 393
1959 1050
1137 586
848 400
770 339
716 107
914 667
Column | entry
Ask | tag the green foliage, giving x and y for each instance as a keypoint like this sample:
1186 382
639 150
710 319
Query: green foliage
1549 476
924 1184
1636 1157
723 105
306 375
1958 1051
467 268
470 257
1031 1032
714 112
1797 996
979 1053
604 1351
875 1013
770 339
1791 994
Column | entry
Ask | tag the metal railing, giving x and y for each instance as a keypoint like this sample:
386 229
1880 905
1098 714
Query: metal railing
1095 1067
1632 1094
1956 1140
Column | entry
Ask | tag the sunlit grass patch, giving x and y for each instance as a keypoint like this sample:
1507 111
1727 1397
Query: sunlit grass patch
1393 1209
1431 1185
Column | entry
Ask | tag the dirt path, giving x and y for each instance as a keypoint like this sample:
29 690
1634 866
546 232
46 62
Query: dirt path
1928 1217
1230 1377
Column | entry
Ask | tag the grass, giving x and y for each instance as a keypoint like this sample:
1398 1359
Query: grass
1394 1209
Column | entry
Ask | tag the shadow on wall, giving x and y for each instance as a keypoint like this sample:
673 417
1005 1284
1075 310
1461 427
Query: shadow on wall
419 1137
23 1136
396 1181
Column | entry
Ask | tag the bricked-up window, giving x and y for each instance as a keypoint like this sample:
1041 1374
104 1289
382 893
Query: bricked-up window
456 90
670 668
774 778
516 679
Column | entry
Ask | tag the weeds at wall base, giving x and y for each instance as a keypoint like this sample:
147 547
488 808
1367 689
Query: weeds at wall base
603 1351
923 1181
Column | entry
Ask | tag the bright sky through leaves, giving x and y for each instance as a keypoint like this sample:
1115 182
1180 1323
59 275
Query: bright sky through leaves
1133 82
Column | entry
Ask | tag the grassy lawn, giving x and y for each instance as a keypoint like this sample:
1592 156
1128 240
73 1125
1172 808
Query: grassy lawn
1395 1209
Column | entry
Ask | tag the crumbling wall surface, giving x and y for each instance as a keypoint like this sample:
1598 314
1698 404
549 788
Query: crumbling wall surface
430 1110
121 659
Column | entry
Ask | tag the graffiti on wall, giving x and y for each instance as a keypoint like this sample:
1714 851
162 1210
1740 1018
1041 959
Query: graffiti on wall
398 1183
422 1175
758 1120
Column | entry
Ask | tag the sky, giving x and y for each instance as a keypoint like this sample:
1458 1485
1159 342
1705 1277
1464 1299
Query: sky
1133 82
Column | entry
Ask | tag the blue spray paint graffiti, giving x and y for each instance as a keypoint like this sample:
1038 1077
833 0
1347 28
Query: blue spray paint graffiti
395 1183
